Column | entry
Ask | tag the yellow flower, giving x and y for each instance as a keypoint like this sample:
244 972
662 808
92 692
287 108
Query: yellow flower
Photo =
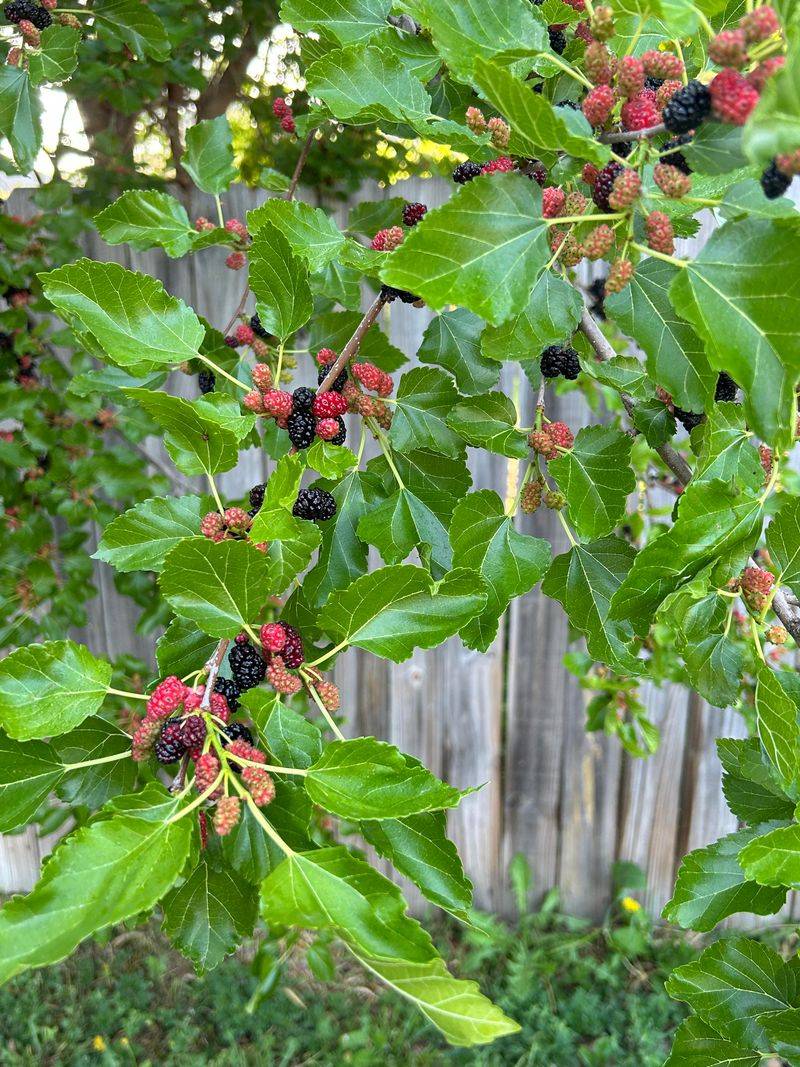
630 904
98 1043
124 1042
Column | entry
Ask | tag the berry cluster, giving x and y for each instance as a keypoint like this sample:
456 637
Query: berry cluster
755 585
368 376
305 413
283 111
172 727
231 525
553 439
560 361
497 128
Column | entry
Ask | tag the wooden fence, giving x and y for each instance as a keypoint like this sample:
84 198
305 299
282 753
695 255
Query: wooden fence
571 802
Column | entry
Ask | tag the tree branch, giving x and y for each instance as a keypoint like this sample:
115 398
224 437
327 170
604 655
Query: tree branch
214 665
301 162
631 135
353 344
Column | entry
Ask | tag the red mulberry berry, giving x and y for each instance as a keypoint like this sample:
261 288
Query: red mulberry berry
569 249
531 497
641 112
203 224
671 181
288 124
602 23
756 585
328 693
328 405
561 435
763 72
575 204
761 23
254 401
729 49
777 635
326 356
144 737
412 214
662 64
553 200
619 275
658 228
626 189
237 520
228 811
598 105
732 97
167 697
589 173
212 526
765 455
326 429
498 166
372 378
280 107
542 444
29 33
599 242
630 75
598 63
236 260
273 637
280 679
244 334
604 183
193 734
262 376
206 771
277 403
387 240
238 229
260 785
665 92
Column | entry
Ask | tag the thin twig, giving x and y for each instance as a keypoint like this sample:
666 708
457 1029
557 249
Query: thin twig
239 308
301 162
214 665
353 344
632 135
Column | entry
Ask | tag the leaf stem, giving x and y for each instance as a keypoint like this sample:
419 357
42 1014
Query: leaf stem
125 693
265 766
329 654
96 762
567 530
559 62
197 800
757 640
582 218
220 214
326 714
279 366
659 255
386 448
259 817
223 373
215 493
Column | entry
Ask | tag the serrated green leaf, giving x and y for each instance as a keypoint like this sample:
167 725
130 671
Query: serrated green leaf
783 542
208 159
279 281
289 736
330 461
715 148
311 233
489 421
550 317
596 477
207 916
750 784
484 249
197 442
403 522
146 218
140 537
182 648
347 21
510 563
20 115
584 580
715 665
697 1045
57 57
48 689
362 83
369 216
452 340
128 22
392 611
774 124
773 858
725 448
95 739
776 721
424 399
29 772
220 587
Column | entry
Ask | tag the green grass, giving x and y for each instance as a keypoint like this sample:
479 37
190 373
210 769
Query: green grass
584 996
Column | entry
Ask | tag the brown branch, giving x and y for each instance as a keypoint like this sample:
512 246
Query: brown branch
239 308
353 344
632 135
788 613
301 162
214 665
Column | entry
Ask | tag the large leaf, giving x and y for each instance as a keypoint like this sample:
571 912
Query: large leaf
398 785
484 249
489 421
29 772
724 447
95 739
331 889
58 56
311 233
484 540
773 859
750 783
131 23
348 21
289 736
140 537
102 874
698 1045
712 521
776 720
404 522
362 83
731 984
535 124
197 442
147 218
182 648
584 580
550 317
742 295
279 280
783 541
208 159
48 689
220 587
464 31
20 115
424 399
453 340
207 916
129 314
711 885
596 477
676 357
392 611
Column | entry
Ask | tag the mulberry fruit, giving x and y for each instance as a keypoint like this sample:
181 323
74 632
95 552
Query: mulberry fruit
193 734
531 497
387 240
281 679
316 505
729 49
301 428
598 64
257 328
732 97
760 23
773 182
18 10
498 166
599 242
167 697
558 40
247 666
256 497
273 637
170 746
229 809
466 171
277 403
687 108
262 377
560 361
206 381
413 213
553 200
630 75
688 419
660 237
604 183
598 105
144 737
293 653
671 181
341 379
673 157
756 585
206 771
229 690
726 388
619 275
328 693
329 405
303 399
641 112
626 189
341 436
237 731
662 64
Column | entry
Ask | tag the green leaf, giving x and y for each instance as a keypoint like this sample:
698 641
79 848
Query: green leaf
221 587
484 249
653 418
738 293
208 159
207 916
484 540
715 148
335 328
369 216
182 648
776 721
712 520
399 785
131 23
20 116
58 56
392 611
536 125
292 541
48 689
711 885
424 399
331 889
625 374
95 738
725 448
584 580
197 442
783 1030
596 477
774 124
550 317
347 21
146 218
419 848
697 1045
102 874
773 859
783 542
456 1007
676 358
330 461
279 281
489 421
362 83
465 33
452 340
140 537
732 983
311 233
29 772
715 665
750 784
404 522
130 315
289 736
